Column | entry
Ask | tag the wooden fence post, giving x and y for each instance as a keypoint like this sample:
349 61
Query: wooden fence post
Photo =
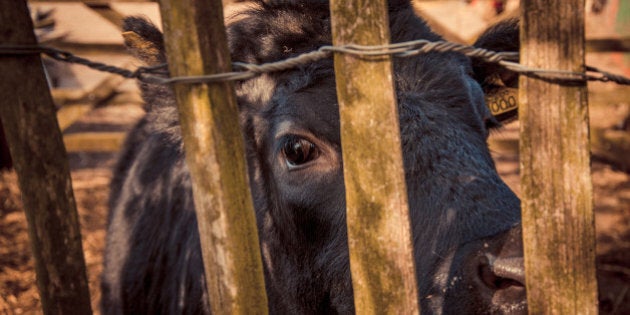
196 44
28 116
558 223
381 251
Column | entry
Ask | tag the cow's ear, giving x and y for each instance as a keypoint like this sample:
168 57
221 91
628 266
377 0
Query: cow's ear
144 40
499 84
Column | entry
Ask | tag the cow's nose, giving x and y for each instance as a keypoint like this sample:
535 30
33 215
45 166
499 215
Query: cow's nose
500 274
503 278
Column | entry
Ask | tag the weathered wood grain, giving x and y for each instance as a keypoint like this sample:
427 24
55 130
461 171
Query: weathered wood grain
196 44
381 252
557 204
28 116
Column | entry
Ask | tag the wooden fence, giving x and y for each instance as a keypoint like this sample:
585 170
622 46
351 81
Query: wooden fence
215 154
557 202
76 102
557 198
379 231
28 116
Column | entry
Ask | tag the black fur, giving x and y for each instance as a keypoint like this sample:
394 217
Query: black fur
457 200
503 36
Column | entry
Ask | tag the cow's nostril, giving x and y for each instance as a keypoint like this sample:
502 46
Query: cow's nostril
504 279
502 273
500 276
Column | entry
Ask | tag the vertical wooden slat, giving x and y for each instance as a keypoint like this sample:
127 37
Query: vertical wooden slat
381 252
28 116
196 44
558 224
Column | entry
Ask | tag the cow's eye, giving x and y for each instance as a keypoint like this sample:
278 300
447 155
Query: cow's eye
298 151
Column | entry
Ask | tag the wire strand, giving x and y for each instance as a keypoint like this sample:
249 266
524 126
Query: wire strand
243 71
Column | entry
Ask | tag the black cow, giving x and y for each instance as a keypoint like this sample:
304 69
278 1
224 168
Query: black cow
465 220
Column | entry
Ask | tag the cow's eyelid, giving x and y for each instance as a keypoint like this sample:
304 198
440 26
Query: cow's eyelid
297 151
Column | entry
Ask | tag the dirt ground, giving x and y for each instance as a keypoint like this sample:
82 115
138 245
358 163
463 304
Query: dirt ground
90 178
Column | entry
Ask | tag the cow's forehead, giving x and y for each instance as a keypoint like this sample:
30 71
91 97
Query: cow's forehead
306 99
306 96
268 34
311 108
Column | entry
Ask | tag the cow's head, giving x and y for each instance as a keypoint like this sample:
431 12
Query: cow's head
464 218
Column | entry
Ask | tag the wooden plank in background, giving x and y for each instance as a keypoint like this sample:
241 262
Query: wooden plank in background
82 25
612 146
617 44
150 10
94 141
71 112
107 12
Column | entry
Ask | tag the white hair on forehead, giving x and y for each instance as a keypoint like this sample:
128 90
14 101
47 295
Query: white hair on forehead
232 12
257 90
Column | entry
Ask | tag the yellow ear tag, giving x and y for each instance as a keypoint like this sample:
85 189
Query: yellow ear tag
502 100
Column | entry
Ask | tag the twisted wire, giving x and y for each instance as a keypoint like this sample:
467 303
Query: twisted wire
159 74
